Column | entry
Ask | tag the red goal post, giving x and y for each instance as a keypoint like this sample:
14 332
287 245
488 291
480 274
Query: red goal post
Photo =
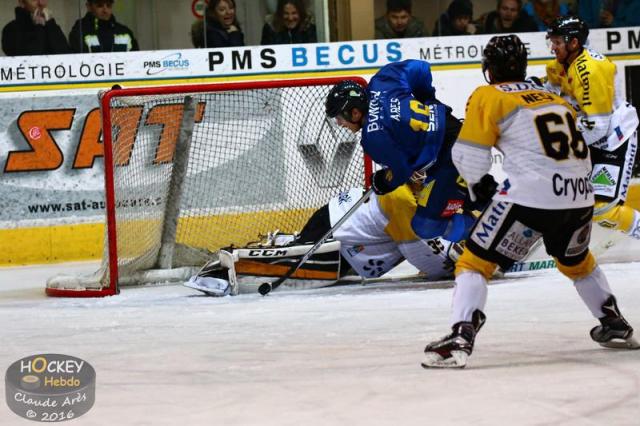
193 168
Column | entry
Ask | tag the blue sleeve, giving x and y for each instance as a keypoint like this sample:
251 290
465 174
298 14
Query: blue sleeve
456 228
411 76
420 80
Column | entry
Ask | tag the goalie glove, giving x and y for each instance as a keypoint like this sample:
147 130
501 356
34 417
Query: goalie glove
381 181
483 191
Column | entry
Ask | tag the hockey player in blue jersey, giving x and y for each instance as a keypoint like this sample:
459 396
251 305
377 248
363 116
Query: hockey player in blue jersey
408 131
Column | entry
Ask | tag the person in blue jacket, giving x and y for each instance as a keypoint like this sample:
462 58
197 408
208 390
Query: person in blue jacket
408 131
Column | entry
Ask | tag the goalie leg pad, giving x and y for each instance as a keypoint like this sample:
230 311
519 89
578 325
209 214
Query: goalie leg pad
374 260
253 265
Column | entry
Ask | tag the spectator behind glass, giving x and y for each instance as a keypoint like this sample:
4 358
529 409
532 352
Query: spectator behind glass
220 27
544 12
290 24
609 13
33 32
398 22
456 20
508 18
99 32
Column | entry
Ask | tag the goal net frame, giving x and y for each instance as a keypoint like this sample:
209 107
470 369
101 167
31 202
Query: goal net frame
77 287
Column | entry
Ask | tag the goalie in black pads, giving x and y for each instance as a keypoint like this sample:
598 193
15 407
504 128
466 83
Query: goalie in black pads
376 238
547 194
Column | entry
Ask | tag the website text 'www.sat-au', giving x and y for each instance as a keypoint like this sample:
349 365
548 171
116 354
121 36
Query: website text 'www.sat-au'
89 205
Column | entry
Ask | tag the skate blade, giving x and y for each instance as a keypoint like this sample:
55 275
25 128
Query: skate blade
458 359
630 343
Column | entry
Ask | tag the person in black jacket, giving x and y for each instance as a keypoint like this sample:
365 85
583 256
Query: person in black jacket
220 27
508 18
457 20
33 32
290 24
99 32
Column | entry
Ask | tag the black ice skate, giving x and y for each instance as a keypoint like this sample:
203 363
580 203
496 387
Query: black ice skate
453 350
614 331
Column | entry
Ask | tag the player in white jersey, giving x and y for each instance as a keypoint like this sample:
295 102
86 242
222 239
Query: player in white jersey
547 194
608 123
372 241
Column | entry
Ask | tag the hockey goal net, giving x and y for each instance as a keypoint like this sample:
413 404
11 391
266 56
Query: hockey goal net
191 169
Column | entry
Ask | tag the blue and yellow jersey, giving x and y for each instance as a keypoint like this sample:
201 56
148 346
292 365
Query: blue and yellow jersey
384 217
399 207
405 125
546 159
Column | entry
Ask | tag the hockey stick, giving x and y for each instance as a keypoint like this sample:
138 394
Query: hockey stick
265 288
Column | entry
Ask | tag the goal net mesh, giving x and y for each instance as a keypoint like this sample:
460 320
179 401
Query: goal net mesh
199 171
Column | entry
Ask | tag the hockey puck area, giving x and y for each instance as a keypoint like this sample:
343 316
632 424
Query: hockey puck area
264 289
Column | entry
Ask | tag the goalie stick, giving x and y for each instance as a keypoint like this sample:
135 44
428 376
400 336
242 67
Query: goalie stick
266 287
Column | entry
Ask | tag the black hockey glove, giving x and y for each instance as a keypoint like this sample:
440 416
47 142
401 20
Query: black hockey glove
381 181
485 189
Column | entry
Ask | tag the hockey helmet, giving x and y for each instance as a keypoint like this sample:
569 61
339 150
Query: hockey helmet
505 57
569 27
345 96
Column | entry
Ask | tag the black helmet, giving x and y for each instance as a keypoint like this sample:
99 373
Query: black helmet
506 58
569 27
345 96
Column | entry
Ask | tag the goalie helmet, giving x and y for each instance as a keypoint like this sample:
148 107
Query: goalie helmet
569 27
505 57
345 96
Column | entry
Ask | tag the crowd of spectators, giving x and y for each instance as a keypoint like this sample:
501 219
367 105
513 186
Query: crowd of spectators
509 16
34 30
290 23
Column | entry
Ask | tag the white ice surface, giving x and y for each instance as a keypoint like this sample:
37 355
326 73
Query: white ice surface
340 356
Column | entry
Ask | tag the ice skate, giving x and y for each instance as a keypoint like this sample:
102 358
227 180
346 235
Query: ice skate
614 331
453 350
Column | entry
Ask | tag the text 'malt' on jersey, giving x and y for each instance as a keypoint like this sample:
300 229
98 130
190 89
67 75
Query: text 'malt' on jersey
589 81
546 159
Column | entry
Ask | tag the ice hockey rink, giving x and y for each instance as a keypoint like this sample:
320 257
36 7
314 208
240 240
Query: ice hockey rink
166 355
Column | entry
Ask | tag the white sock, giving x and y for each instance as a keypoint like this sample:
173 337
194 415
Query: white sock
594 291
469 294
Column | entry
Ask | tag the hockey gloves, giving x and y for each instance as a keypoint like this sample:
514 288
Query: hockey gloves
381 181
484 190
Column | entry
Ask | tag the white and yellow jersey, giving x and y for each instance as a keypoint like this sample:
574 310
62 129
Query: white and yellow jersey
383 218
546 159
379 235
590 83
